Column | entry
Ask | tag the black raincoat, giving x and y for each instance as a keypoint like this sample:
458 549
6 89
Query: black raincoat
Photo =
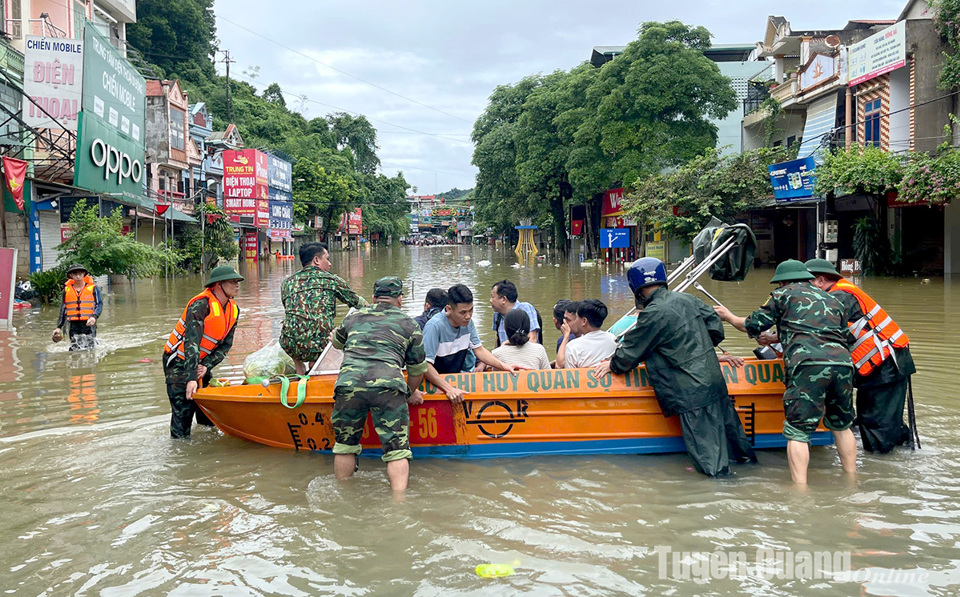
675 336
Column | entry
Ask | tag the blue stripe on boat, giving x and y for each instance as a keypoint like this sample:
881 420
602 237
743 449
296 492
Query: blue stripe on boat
655 445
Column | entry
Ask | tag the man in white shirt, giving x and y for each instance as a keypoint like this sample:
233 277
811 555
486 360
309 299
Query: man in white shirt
594 344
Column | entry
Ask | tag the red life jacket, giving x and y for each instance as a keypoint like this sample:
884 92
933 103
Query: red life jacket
216 325
876 332
79 306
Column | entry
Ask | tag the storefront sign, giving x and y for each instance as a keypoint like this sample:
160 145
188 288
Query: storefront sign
355 222
279 174
108 161
281 211
657 250
250 245
66 231
820 70
36 247
112 88
612 203
245 176
879 54
8 277
793 180
52 82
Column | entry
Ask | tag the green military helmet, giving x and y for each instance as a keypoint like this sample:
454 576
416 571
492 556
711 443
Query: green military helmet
76 267
822 266
222 273
791 270
391 286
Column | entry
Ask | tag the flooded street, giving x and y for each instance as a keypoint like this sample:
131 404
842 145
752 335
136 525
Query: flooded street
98 500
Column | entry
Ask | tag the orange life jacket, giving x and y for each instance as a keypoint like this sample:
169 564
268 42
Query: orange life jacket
216 325
876 332
80 306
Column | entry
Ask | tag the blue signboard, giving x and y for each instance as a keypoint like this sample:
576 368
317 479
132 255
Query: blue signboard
36 249
281 209
793 180
279 174
614 238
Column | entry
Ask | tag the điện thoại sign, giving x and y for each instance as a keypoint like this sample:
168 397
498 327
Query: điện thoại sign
52 82
107 161
113 90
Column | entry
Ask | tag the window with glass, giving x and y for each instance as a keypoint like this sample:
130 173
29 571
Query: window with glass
871 123
177 140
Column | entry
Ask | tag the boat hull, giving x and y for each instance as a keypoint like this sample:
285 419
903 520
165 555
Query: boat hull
545 412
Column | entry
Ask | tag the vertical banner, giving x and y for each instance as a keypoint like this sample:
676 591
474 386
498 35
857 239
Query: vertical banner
36 247
250 245
8 275
14 173
52 79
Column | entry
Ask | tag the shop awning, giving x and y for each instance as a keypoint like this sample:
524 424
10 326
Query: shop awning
821 120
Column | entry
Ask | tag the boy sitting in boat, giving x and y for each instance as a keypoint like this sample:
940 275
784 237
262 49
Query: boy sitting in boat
452 344
592 344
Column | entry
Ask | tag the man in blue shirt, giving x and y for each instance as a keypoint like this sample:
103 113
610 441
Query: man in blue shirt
448 339
503 299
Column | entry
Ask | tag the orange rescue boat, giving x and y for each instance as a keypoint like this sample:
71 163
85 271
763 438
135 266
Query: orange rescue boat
564 411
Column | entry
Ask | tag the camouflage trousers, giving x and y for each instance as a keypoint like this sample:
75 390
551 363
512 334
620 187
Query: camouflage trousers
391 419
816 392
303 345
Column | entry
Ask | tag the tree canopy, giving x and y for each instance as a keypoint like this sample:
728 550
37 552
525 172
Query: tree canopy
551 140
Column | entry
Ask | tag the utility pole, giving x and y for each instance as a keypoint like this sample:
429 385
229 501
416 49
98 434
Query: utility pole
227 61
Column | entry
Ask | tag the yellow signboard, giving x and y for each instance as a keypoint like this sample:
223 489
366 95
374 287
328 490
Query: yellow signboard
657 249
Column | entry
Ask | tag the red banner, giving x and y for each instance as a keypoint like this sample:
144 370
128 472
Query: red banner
576 227
14 172
612 203
161 209
245 185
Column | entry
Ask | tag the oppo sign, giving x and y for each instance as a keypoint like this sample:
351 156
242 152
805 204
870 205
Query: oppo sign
113 161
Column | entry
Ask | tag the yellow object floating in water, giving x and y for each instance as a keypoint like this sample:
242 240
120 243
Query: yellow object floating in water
494 570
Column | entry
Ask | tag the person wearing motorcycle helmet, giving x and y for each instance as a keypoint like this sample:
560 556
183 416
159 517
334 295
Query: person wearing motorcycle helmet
675 335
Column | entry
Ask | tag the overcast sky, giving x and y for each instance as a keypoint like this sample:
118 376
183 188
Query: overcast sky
422 71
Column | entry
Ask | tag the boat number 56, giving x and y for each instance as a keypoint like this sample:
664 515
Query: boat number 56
427 418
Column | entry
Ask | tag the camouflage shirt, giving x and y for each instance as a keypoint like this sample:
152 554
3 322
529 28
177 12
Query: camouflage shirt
377 342
310 303
180 371
810 323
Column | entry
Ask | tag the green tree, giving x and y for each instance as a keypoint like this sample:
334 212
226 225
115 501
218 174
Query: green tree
323 189
179 36
946 18
498 197
214 239
654 102
100 245
681 202
357 134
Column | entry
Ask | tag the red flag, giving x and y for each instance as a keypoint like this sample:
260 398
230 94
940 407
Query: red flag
161 209
14 172
576 227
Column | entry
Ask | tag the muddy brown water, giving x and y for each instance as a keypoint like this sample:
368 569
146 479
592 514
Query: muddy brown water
97 500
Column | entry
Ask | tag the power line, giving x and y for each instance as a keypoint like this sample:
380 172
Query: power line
343 72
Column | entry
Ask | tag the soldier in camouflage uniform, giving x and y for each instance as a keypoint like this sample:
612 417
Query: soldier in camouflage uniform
817 363
377 342
310 303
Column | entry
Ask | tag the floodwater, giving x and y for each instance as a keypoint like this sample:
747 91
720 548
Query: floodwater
97 500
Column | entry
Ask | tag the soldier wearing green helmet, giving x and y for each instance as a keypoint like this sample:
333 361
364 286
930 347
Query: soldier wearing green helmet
817 364
200 340
882 360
